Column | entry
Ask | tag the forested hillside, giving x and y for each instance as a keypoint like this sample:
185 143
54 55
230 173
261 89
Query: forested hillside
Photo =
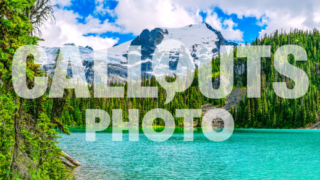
269 111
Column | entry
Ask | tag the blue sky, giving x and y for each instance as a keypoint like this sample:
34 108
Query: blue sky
248 25
86 8
100 23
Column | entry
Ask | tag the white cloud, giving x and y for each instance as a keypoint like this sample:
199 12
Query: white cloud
134 16
94 25
101 9
277 15
66 29
226 27
284 22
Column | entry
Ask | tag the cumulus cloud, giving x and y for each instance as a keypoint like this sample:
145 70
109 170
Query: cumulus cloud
66 29
226 27
94 25
102 9
277 15
134 16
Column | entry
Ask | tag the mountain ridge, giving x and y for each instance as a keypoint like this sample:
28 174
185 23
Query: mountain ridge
192 36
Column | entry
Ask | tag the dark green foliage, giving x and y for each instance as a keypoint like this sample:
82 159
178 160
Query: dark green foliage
271 111
27 139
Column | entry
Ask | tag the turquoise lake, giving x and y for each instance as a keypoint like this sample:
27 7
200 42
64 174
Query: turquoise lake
247 154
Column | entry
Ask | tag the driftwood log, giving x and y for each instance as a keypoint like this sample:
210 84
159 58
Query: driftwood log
66 163
70 159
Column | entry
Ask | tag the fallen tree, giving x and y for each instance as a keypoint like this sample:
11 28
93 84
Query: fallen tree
70 159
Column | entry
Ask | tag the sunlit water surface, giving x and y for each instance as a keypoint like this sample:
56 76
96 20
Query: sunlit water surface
247 154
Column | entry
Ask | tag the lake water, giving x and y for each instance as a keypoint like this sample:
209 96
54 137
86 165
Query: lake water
247 154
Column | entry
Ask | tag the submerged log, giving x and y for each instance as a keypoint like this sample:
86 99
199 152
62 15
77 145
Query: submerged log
71 159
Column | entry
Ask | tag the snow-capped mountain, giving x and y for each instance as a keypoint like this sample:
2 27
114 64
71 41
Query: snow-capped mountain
191 36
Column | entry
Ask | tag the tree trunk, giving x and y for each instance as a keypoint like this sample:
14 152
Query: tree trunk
70 159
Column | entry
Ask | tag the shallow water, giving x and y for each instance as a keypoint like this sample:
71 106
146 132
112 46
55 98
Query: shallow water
247 154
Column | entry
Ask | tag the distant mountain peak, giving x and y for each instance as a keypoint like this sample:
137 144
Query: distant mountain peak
192 36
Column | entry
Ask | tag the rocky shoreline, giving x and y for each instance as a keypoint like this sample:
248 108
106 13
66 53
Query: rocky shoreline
313 126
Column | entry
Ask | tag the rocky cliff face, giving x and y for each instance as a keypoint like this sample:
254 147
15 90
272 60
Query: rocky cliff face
148 40
191 36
